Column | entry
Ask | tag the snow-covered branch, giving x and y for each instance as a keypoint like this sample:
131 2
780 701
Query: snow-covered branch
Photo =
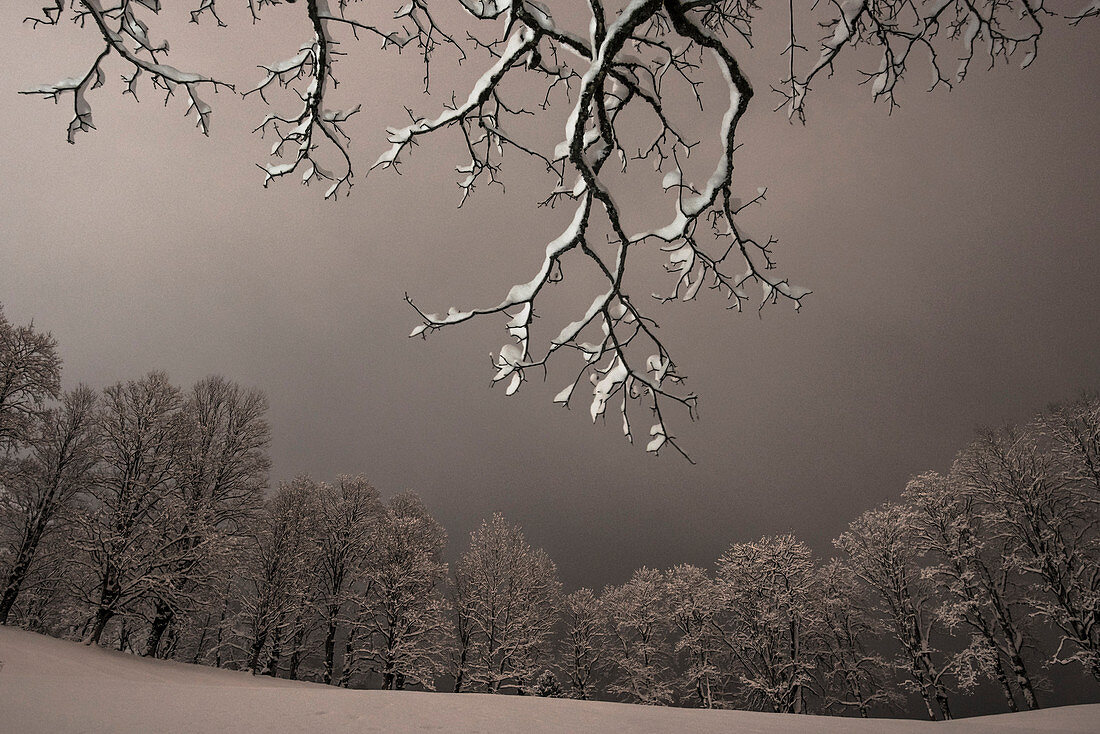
622 65
125 34
905 32
624 79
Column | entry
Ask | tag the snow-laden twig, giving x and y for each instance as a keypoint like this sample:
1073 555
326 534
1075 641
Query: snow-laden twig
125 34
635 65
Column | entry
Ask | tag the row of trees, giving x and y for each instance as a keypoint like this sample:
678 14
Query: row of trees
139 516
133 496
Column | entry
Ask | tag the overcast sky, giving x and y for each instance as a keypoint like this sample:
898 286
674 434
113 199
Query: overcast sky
951 247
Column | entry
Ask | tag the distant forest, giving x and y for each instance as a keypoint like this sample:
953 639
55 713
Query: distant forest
140 517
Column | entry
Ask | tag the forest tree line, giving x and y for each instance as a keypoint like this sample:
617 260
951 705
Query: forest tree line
140 516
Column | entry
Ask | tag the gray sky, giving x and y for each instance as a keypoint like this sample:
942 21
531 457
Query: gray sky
951 247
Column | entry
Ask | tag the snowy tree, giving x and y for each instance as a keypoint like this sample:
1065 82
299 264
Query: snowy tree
967 560
40 489
768 620
276 580
1051 533
347 512
30 374
46 603
405 624
201 632
1072 430
693 604
640 646
584 641
507 599
853 676
881 550
462 602
219 482
547 686
123 552
616 81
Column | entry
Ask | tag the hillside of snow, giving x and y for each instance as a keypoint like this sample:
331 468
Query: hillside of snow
55 686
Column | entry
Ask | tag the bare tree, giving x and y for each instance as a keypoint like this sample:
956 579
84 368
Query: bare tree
693 605
123 552
1072 429
509 597
220 478
347 513
968 564
463 601
1052 533
584 642
853 676
46 603
276 581
405 623
640 646
41 488
601 65
769 621
30 374
882 553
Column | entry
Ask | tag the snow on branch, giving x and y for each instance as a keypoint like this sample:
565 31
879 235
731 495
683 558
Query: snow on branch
125 34
309 73
906 32
621 65
640 60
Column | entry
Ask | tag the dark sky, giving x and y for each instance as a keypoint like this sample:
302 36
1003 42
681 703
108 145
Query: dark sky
951 247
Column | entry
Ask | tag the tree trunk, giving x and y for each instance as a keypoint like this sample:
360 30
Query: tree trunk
1006 689
202 641
298 650
460 674
1012 636
998 672
11 591
171 641
254 653
1023 680
923 685
330 646
18 574
349 659
928 703
102 617
14 583
221 628
272 665
124 636
161 619
941 700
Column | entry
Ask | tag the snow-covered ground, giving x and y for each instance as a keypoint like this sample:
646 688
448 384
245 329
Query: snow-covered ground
49 685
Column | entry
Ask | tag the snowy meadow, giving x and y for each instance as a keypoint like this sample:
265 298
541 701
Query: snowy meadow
97 690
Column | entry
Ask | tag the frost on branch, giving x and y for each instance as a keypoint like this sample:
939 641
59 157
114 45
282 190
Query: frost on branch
124 33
